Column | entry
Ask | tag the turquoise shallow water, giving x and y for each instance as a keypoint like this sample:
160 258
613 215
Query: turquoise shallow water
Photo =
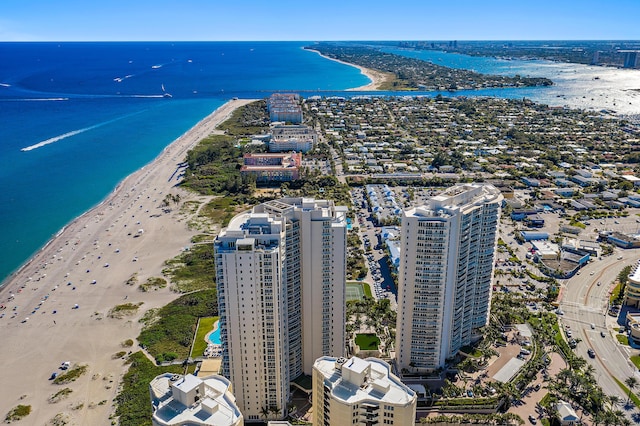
215 337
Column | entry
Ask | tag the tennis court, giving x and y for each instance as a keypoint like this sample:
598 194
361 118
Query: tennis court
355 291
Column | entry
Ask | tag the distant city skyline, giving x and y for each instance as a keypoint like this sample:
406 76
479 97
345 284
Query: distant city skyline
248 20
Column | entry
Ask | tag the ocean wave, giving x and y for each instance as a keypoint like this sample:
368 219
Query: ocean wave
73 133
5 85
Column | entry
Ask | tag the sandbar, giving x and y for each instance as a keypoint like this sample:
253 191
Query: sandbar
377 77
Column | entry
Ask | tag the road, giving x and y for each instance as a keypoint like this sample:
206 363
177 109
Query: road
585 304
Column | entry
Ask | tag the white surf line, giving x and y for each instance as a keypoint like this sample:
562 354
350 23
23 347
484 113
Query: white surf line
73 133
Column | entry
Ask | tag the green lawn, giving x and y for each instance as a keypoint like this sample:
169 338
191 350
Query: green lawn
206 325
367 342
615 293
636 361
622 339
367 289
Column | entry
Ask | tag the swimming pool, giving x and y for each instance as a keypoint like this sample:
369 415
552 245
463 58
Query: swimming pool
214 337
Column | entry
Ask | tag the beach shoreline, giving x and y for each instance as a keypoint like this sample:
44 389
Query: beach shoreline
377 77
57 303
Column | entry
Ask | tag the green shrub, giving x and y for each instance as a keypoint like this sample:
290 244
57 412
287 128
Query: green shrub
70 375
133 404
153 283
18 413
56 397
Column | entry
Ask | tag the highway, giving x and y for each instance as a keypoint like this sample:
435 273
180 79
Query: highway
584 304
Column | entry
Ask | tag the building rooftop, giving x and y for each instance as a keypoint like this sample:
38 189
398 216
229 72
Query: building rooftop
179 400
358 379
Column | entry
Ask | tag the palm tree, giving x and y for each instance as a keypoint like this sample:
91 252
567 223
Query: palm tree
265 412
631 383
275 411
614 401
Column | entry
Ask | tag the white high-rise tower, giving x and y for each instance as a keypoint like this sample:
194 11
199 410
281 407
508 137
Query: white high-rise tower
445 273
280 274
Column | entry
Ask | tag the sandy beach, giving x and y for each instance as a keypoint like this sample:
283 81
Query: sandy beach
56 305
377 77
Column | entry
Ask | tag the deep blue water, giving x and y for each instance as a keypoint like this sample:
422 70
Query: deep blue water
111 94
99 107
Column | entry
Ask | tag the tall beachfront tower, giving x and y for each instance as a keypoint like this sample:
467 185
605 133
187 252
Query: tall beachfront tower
445 273
360 391
280 273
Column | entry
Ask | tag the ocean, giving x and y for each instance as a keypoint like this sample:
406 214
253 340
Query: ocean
77 118
92 113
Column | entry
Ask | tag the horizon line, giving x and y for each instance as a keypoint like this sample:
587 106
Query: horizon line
316 40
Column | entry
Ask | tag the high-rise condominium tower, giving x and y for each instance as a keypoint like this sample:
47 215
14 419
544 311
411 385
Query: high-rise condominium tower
280 273
445 273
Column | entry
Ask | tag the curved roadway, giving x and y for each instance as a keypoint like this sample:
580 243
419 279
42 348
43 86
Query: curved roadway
585 305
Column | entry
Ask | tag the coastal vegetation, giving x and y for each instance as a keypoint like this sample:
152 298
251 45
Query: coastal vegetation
70 375
153 283
250 119
133 406
214 168
415 74
193 269
220 210
17 413
168 333
60 395
124 310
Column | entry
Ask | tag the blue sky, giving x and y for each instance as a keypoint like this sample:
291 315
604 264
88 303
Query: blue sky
102 20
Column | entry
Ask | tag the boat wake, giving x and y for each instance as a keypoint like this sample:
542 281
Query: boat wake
33 99
57 138
120 79
73 133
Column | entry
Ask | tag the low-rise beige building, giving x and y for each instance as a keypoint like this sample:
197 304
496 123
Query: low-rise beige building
180 400
360 391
